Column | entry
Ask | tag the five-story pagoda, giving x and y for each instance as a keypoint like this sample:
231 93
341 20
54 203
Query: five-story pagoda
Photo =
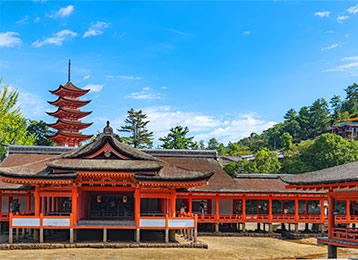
68 114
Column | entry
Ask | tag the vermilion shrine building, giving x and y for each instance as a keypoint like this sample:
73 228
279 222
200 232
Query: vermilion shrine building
108 185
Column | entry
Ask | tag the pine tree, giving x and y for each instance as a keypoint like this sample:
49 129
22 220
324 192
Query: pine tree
136 126
177 139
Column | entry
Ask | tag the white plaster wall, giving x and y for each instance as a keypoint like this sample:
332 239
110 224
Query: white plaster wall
4 204
225 206
23 203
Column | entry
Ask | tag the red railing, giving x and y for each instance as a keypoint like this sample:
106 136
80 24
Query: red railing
346 234
257 218
4 216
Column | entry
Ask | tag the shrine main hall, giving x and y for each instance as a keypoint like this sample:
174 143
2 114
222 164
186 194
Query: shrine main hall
108 187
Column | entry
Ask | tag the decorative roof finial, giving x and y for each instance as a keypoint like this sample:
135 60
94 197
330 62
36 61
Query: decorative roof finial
108 130
69 70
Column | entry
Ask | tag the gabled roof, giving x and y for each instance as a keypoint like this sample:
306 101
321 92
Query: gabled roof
88 158
337 174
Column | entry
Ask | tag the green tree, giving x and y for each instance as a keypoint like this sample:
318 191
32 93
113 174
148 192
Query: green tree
330 150
231 169
41 131
136 126
213 144
202 145
177 139
286 140
266 161
12 123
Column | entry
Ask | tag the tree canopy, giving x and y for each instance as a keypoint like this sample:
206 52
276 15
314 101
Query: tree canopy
136 126
13 125
177 139
41 131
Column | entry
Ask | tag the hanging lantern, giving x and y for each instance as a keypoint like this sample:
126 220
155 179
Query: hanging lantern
124 199
99 199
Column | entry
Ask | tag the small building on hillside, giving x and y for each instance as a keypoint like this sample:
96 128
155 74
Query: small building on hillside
347 128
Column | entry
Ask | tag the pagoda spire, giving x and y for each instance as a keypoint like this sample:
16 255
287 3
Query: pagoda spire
69 70
68 115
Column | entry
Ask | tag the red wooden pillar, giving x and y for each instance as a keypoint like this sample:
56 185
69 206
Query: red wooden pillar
217 208
43 205
56 204
270 208
258 207
331 202
37 201
137 207
348 212
282 207
48 204
322 209
306 207
53 204
0 202
209 206
296 209
233 206
243 205
190 204
28 203
172 203
74 205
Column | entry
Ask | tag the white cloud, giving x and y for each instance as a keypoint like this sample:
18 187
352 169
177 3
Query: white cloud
130 77
246 33
32 105
330 32
239 128
94 87
202 126
344 67
56 39
322 14
341 18
9 39
37 19
335 45
84 78
182 33
353 9
96 29
164 87
63 12
23 20
146 94
353 58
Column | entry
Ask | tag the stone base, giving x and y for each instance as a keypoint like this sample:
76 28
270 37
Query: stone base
26 246
240 234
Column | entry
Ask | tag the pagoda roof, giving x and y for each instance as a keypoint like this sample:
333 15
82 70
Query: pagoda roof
70 123
64 134
79 103
70 87
77 112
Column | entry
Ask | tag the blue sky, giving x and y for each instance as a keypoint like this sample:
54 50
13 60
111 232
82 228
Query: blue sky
225 69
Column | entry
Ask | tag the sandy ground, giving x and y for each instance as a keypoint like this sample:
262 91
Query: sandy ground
219 248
